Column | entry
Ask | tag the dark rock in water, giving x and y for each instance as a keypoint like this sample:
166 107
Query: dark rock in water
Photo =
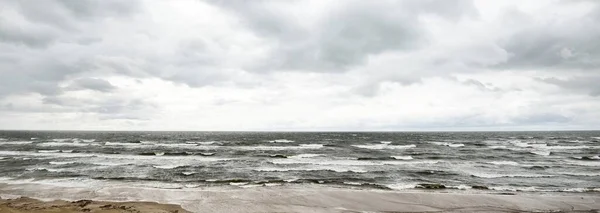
277 156
430 186
480 187
134 141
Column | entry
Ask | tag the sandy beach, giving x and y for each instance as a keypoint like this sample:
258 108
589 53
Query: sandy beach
24 205
282 199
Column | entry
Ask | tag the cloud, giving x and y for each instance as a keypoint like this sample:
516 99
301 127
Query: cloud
299 65
92 84
587 85
336 37
562 43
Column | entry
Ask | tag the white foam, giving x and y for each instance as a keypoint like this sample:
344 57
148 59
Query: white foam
510 163
306 156
542 153
314 146
453 145
497 147
281 141
385 146
88 140
313 168
61 162
386 142
490 175
48 151
353 183
402 157
51 144
238 183
188 173
402 186
15 142
167 166
206 142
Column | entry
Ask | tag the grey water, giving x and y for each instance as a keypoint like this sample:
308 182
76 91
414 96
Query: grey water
501 161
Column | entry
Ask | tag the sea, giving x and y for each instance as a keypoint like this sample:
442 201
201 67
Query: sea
460 161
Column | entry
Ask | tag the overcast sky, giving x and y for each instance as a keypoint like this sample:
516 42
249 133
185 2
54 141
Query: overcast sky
299 65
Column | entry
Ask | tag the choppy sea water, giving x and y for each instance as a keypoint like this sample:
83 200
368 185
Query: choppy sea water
501 161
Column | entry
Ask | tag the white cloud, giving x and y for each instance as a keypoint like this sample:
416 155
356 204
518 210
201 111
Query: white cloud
299 65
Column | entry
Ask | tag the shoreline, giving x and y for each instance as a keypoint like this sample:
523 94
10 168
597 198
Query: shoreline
311 199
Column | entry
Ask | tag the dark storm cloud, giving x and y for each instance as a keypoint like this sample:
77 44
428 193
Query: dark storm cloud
346 35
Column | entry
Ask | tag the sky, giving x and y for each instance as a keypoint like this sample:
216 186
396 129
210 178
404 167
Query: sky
311 65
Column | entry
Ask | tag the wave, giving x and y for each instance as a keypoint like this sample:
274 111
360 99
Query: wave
15 142
167 166
51 144
306 156
282 141
61 162
542 153
453 145
402 157
316 146
587 157
385 146
48 151
510 163
386 158
332 169
313 161
488 175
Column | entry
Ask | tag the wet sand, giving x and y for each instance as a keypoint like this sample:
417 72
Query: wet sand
306 199
28 205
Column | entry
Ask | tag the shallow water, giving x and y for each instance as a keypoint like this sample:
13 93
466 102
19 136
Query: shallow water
504 161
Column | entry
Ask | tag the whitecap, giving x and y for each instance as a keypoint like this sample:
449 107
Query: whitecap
315 146
188 173
15 142
489 175
306 156
386 142
542 153
510 163
402 157
453 145
281 141
48 151
497 147
50 144
353 183
385 146
61 162
166 166
237 183
310 169
401 186
206 142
